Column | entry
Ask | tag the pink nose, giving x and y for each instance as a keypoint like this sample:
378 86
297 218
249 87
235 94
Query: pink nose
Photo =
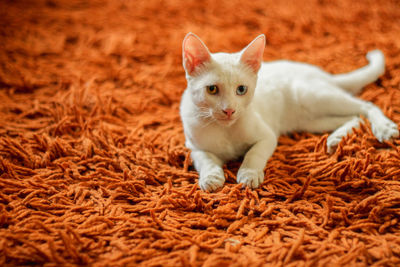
229 112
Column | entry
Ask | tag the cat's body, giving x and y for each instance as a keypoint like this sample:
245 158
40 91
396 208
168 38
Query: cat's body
236 105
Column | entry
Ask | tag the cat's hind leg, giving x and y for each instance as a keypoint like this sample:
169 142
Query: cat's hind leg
382 127
337 135
341 126
327 100
325 124
345 105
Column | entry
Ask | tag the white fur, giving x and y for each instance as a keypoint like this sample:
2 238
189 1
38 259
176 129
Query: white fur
282 97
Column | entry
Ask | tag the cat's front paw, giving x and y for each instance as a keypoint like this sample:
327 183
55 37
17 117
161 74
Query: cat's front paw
385 129
250 177
211 180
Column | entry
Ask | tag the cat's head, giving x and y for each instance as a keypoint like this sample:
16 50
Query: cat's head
221 85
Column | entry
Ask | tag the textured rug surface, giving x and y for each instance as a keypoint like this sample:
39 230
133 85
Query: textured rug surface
93 168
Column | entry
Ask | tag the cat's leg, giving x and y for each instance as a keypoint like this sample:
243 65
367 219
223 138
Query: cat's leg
345 105
382 127
209 166
328 100
347 128
251 172
325 124
341 126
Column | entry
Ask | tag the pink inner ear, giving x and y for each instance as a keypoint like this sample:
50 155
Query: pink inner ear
195 53
252 55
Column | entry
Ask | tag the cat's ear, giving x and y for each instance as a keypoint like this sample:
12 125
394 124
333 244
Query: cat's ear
195 53
252 55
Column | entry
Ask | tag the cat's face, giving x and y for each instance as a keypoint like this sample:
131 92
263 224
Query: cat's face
223 89
221 85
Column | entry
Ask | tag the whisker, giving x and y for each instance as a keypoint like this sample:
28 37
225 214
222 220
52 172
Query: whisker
205 114
210 121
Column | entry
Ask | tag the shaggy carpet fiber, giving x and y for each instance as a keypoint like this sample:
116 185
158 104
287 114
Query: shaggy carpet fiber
93 167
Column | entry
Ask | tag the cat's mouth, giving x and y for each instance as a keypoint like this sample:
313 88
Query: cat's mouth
226 120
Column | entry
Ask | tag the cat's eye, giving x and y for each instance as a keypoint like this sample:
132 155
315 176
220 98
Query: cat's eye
212 89
241 90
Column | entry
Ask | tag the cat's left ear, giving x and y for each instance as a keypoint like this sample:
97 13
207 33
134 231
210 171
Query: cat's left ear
252 55
195 53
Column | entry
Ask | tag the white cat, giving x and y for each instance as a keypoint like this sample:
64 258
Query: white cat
237 105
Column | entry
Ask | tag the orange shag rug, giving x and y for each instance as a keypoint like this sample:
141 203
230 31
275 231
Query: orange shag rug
93 168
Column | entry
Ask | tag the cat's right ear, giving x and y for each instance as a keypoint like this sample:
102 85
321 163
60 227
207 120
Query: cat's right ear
195 53
252 55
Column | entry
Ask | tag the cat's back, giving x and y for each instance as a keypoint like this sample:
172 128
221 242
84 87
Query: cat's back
276 95
289 70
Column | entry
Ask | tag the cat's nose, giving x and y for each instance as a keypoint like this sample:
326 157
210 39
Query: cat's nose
229 112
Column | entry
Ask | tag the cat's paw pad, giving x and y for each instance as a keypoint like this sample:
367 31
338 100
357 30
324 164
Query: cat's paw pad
212 180
385 129
332 142
250 177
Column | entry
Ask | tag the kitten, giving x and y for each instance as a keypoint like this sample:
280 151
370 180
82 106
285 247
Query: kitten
236 105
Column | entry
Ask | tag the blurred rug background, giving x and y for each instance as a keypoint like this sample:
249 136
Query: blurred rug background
93 168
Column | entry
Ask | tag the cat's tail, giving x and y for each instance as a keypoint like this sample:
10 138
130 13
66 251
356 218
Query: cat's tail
354 81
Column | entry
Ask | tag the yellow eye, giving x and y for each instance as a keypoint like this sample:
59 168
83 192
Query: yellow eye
212 89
